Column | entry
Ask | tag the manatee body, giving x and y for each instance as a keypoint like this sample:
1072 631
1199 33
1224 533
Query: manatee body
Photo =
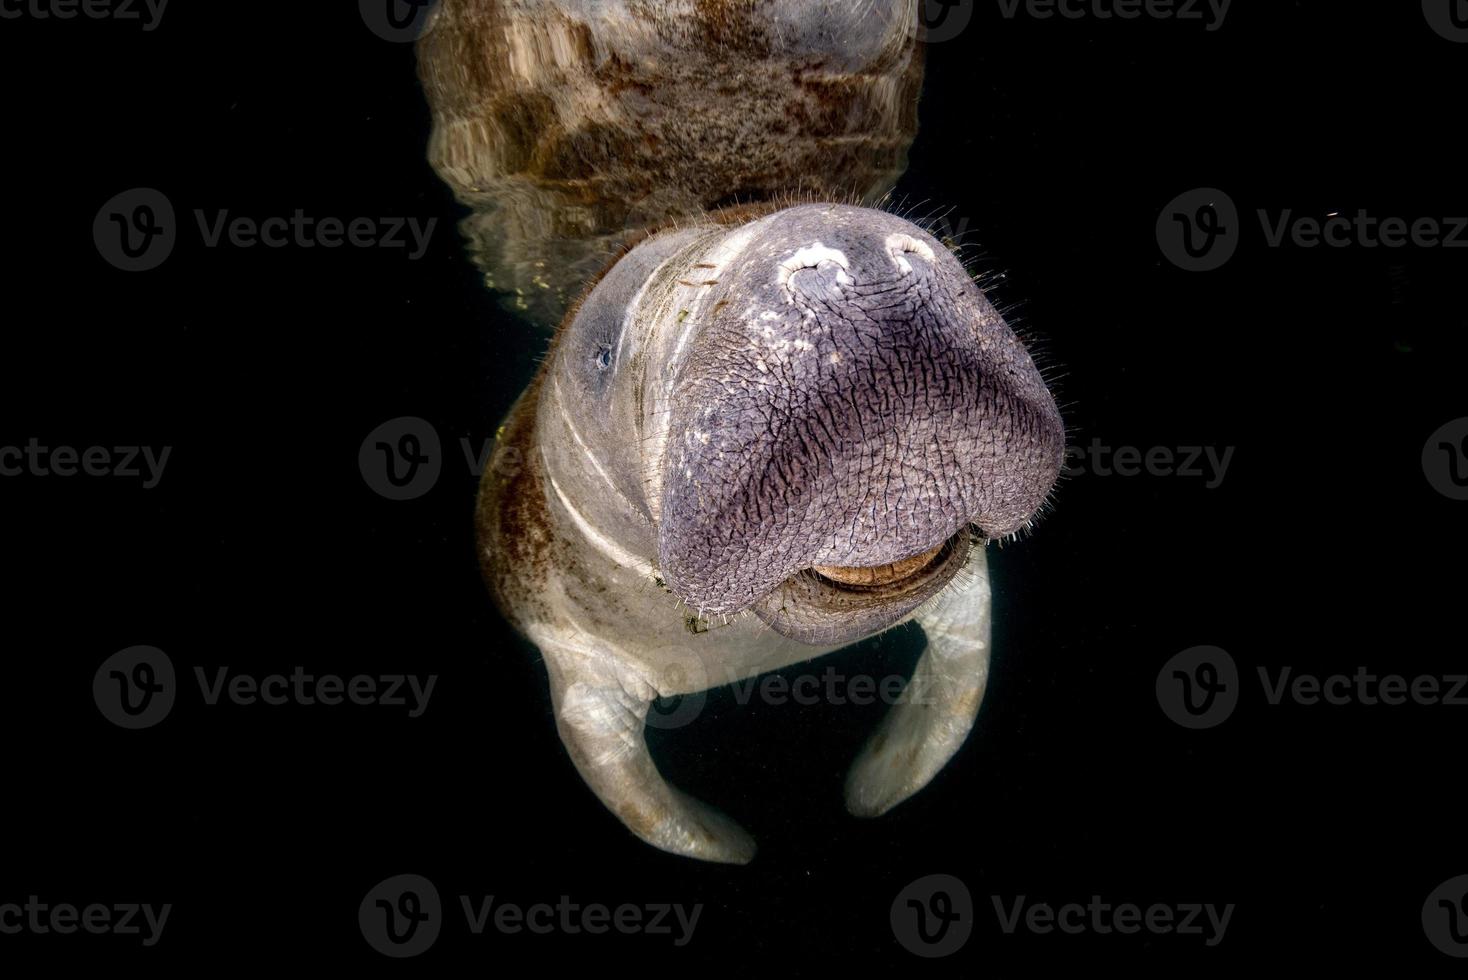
763 436
570 127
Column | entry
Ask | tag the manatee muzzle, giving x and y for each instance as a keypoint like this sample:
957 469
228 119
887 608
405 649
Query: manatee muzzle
827 604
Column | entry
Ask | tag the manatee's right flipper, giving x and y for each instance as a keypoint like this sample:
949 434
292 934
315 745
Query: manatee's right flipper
601 707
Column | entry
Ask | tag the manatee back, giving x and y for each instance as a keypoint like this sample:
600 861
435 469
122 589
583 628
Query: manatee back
569 127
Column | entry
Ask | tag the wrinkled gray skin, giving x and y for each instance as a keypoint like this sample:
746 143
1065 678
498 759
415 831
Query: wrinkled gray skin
732 406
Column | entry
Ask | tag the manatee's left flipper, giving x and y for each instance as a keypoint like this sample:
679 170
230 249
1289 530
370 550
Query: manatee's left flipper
937 710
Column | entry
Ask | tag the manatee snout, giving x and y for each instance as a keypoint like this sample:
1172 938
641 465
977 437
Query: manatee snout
849 408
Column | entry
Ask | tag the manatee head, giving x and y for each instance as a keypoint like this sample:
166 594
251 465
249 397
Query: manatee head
849 414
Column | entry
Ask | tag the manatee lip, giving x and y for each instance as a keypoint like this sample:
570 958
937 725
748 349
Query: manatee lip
835 604
893 575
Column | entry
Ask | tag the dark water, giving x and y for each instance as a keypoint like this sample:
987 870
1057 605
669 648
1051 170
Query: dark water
1055 145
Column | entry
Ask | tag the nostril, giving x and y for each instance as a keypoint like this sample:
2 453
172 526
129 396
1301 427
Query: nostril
901 246
830 262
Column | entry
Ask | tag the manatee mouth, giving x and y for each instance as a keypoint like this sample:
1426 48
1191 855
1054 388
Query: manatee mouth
894 575
832 604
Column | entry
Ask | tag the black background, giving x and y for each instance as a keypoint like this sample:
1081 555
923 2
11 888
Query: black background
1056 144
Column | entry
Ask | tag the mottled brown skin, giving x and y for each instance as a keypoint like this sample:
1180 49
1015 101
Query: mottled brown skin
514 531
568 132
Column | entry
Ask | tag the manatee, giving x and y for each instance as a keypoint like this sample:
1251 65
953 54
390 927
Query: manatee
763 435
570 128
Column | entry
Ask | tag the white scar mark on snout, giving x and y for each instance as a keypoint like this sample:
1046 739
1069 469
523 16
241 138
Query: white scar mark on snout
731 246
600 541
899 245
633 311
665 306
692 299
811 257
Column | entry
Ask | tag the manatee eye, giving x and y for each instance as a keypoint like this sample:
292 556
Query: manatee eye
603 356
